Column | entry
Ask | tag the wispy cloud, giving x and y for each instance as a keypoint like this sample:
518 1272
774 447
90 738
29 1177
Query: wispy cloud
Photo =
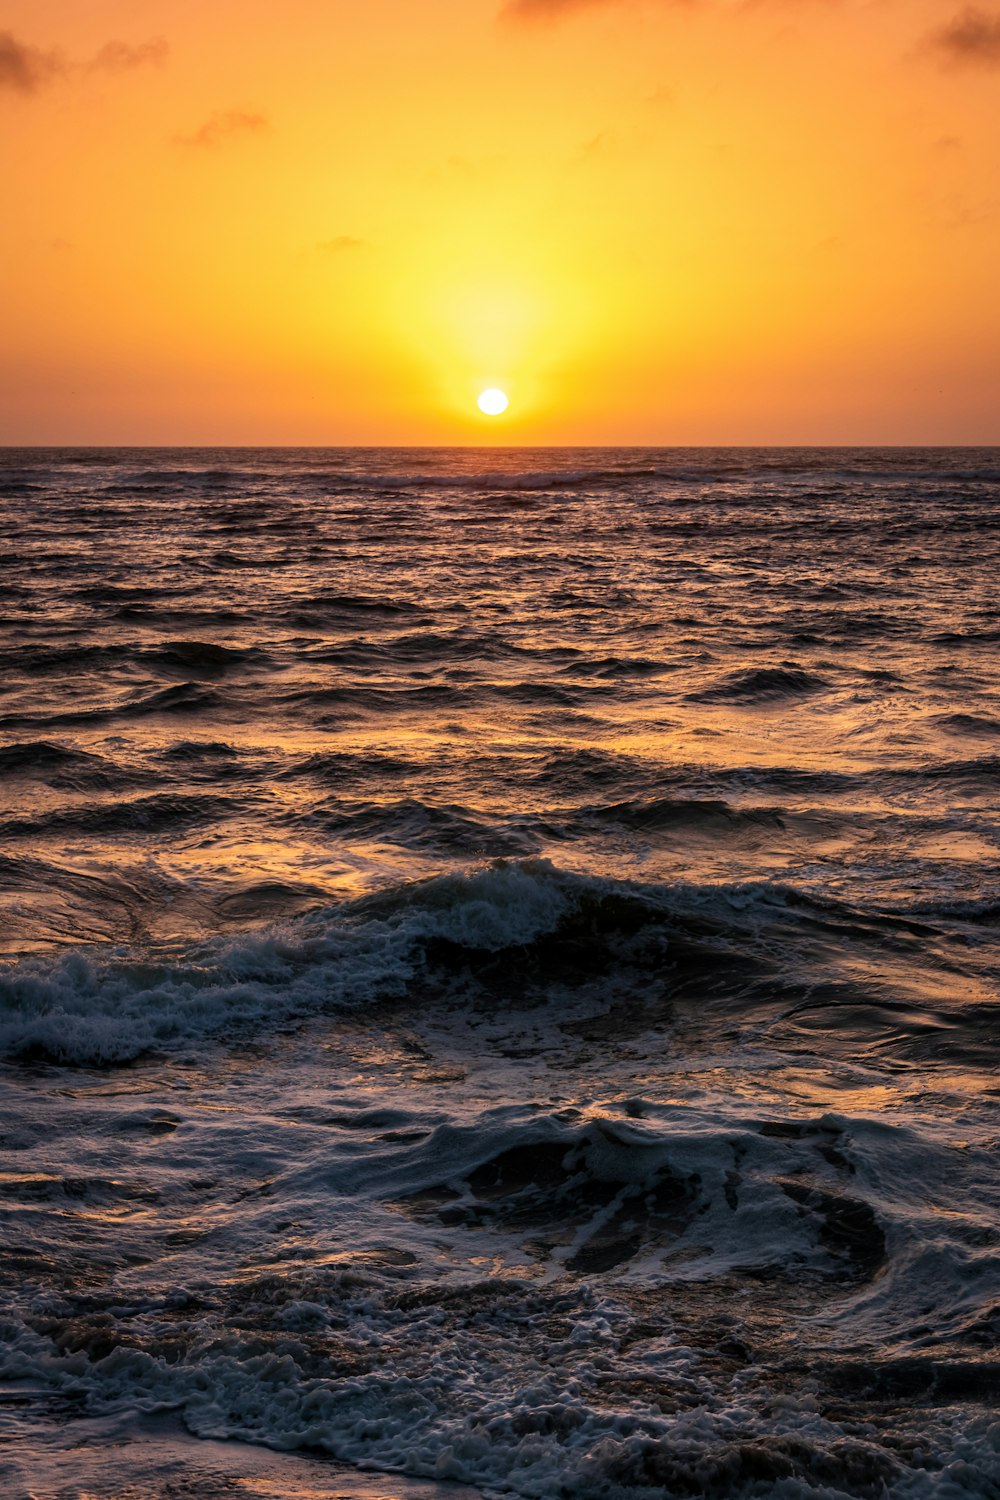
340 243
971 39
547 10
122 57
662 97
25 69
225 125
589 149
554 10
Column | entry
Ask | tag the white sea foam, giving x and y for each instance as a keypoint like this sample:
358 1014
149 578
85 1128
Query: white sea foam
498 1402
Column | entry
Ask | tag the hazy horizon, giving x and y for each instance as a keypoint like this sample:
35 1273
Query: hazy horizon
499 447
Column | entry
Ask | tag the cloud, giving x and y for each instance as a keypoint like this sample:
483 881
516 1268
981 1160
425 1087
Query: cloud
971 39
121 57
25 69
546 10
662 97
340 243
594 146
223 126
553 10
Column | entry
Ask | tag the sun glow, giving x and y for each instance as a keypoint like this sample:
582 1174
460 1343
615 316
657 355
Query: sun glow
492 403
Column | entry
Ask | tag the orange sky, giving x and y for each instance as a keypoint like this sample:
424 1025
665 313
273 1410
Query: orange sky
649 221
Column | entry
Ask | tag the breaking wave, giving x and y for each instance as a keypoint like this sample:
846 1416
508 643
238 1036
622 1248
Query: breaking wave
523 929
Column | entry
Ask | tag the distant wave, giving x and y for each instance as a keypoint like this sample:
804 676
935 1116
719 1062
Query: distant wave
761 684
38 758
148 814
974 726
185 698
205 658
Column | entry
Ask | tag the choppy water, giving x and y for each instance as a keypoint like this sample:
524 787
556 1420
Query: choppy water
501 964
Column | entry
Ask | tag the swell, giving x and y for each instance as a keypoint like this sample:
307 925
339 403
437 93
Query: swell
442 696
761 685
156 813
207 658
184 698
40 758
453 828
972 726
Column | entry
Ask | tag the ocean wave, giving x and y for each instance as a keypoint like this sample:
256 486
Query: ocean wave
45 660
595 1193
437 646
616 667
439 696
584 770
689 813
983 909
500 482
195 752
205 658
972 726
184 698
504 1387
967 638
142 815
337 767
511 931
40 758
761 685
452 828
419 646
415 824
666 1322
226 558
327 609
979 771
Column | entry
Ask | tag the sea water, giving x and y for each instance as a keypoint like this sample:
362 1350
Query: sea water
500 971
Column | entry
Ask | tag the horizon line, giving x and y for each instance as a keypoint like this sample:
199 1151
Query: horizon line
500 447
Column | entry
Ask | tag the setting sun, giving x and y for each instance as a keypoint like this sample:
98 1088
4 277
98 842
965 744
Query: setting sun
493 403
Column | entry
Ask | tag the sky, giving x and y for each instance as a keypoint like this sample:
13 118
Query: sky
647 221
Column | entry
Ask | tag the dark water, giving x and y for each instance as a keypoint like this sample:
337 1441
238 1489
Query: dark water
501 964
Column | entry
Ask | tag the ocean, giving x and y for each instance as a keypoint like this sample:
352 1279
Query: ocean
500 973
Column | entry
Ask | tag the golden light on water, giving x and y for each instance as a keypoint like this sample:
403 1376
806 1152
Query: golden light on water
493 403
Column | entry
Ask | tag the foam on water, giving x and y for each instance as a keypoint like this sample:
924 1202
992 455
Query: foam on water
637 1351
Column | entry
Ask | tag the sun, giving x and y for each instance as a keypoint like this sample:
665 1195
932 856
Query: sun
492 402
